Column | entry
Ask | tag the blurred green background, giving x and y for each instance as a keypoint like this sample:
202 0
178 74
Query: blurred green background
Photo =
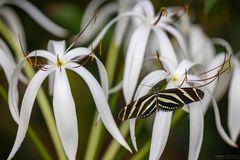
219 18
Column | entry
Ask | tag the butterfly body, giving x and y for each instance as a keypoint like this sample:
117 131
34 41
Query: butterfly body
164 100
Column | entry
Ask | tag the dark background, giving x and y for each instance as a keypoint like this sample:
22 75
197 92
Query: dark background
221 20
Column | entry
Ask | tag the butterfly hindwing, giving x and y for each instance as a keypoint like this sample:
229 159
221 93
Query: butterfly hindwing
172 99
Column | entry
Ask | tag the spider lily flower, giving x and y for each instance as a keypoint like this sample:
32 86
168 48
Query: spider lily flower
11 17
162 120
63 102
104 12
159 26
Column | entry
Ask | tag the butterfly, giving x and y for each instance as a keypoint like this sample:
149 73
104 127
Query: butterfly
164 100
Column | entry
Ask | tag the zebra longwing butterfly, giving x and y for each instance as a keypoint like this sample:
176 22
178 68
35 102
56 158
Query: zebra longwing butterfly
164 100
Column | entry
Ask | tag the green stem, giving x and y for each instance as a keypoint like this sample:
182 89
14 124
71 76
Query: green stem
32 134
114 146
96 131
3 93
41 98
142 153
34 137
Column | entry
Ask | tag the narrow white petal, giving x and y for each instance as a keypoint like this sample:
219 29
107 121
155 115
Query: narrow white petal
121 26
160 134
91 8
115 88
176 34
219 86
184 66
39 17
219 126
146 8
233 102
101 103
76 53
6 63
201 47
14 23
149 80
224 44
103 15
196 130
42 53
100 36
12 94
26 108
103 76
56 47
134 60
165 47
65 113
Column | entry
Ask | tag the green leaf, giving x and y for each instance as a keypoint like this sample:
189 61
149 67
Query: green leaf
208 5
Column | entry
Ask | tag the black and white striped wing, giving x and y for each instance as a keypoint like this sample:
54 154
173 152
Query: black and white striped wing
172 99
140 108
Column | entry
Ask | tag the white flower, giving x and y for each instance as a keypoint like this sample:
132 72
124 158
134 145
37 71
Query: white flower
11 17
104 12
162 120
63 103
139 41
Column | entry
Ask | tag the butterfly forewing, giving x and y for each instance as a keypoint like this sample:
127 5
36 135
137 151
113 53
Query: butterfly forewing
165 100
139 108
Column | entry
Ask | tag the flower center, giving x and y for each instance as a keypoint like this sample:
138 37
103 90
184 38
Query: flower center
60 63
175 78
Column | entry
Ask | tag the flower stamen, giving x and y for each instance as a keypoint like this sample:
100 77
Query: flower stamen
163 12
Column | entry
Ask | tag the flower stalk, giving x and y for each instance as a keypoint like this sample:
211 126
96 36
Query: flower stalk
97 129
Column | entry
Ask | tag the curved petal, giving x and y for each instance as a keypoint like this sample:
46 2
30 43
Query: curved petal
177 35
201 47
151 79
223 43
56 47
103 77
103 15
220 86
219 126
160 134
44 54
39 17
100 36
101 103
26 108
6 63
91 8
116 88
233 103
12 94
65 113
14 23
146 8
184 66
196 130
134 60
165 47
76 53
